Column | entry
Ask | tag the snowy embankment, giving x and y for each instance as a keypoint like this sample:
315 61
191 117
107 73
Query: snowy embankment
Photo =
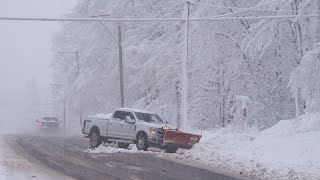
288 150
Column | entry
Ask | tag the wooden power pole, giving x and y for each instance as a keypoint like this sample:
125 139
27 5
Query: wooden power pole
120 66
184 73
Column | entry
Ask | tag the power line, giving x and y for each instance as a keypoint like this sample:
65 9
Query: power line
105 27
252 8
244 10
110 33
214 18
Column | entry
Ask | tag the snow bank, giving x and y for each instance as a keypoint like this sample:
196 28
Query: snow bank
114 149
288 150
111 149
294 143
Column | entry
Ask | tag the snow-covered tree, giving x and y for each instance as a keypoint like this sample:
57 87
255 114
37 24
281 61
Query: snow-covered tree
226 59
305 79
275 48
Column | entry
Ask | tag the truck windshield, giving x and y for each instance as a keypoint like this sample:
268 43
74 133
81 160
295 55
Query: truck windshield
152 118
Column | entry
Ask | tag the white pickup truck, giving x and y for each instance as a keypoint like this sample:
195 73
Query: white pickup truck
126 126
131 126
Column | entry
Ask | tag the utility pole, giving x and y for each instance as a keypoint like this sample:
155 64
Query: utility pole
64 116
184 76
120 66
119 42
77 61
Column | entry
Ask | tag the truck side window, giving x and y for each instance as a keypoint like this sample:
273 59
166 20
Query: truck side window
130 114
117 115
120 115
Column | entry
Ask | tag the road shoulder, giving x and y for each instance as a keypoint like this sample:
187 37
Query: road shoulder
17 164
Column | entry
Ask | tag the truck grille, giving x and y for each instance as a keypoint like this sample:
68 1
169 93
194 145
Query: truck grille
160 133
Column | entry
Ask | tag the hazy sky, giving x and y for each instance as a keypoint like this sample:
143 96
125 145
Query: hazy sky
25 48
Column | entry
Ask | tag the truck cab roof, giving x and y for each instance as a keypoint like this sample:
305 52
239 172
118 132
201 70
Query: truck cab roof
134 110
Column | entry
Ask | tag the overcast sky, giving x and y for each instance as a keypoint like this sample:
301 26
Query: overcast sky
25 47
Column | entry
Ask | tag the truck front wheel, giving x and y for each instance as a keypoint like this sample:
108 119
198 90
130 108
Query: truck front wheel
142 142
95 139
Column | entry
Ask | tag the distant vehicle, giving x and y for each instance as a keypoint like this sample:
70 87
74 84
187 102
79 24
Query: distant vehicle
131 126
49 122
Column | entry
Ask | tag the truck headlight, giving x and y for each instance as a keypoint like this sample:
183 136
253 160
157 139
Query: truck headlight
180 129
165 128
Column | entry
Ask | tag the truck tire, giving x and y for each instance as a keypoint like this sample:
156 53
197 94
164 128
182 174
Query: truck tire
95 139
123 145
142 141
170 149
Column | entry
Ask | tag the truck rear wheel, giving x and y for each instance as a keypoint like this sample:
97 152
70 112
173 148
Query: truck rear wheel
95 139
123 145
142 142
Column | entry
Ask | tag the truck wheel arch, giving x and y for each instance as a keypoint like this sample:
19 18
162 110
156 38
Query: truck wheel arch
94 128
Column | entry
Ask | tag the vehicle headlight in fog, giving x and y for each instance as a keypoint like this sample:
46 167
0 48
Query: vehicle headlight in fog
165 127
180 129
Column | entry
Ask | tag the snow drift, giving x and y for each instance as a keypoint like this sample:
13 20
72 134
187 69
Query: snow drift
288 150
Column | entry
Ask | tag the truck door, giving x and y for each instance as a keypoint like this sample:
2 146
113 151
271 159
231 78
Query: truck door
116 123
128 128
103 127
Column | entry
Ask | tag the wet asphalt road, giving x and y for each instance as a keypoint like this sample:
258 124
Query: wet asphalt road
67 156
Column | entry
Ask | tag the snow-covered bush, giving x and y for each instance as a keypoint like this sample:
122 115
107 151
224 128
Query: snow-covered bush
305 78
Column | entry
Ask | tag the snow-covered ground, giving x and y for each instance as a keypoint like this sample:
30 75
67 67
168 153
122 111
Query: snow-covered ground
115 149
15 167
2 168
288 150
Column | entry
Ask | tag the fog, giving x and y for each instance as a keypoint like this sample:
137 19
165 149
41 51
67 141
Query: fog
25 55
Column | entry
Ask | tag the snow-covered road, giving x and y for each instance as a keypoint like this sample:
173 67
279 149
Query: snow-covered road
70 155
16 167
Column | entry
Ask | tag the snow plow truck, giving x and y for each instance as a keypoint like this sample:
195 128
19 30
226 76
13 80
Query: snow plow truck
127 126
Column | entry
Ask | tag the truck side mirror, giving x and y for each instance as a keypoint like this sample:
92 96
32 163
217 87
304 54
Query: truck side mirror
129 120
